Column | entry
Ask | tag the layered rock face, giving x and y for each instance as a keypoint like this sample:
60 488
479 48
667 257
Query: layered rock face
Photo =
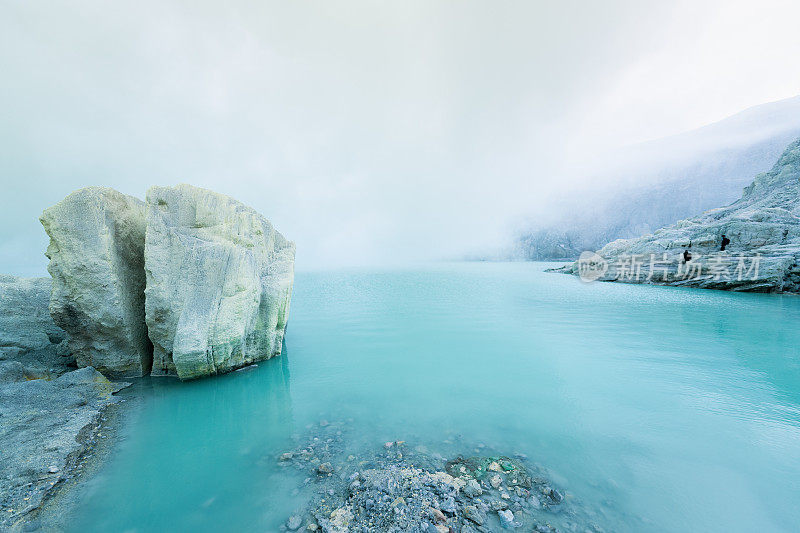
763 255
96 254
25 322
219 282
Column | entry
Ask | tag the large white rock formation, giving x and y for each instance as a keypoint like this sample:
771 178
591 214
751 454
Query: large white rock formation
763 255
219 282
96 254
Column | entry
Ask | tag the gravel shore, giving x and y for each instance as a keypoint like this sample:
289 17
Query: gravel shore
49 427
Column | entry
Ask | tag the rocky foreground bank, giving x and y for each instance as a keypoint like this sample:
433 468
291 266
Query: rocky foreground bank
763 254
398 486
48 427
50 413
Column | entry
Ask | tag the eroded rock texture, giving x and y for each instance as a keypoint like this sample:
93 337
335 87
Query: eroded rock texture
96 254
27 331
219 282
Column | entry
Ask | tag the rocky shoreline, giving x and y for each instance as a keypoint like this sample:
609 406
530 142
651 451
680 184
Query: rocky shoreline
51 414
397 486
189 283
761 254
49 429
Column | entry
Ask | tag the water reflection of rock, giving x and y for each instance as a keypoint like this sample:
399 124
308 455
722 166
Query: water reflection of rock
246 403
193 435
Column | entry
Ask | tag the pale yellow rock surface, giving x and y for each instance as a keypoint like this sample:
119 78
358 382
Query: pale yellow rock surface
219 282
96 254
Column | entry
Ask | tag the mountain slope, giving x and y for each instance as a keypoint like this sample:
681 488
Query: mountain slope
668 180
763 227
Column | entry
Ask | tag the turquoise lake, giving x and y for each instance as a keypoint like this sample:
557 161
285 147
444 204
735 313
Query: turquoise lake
659 409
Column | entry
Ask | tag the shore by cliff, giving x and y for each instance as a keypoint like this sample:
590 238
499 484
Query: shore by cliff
752 245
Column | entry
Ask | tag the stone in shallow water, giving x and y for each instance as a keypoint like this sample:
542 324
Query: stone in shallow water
96 254
219 282
448 505
472 512
294 523
506 518
496 481
412 492
472 489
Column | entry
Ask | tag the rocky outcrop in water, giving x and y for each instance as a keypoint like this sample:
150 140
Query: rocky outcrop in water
763 254
219 281
96 254
27 332
193 283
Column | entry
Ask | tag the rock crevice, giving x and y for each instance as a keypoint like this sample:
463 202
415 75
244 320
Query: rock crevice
190 283
96 254
219 281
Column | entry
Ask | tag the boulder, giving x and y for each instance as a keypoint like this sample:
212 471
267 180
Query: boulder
763 254
219 282
96 254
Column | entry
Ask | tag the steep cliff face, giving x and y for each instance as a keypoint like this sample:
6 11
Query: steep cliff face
763 227
219 282
96 254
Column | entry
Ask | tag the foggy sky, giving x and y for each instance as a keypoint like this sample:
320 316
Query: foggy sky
367 132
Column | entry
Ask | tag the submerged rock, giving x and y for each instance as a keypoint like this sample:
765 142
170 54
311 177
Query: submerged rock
763 254
472 489
381 489
294 523
474 514
506 518
219 282
96 254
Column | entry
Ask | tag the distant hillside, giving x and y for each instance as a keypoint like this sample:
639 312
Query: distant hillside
669 179
761 253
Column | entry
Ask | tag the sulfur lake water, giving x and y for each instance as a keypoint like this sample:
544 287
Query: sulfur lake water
656 409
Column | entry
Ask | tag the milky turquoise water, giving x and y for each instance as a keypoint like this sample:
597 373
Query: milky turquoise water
660 409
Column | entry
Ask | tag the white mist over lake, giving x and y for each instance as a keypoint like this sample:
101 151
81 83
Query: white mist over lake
368 133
